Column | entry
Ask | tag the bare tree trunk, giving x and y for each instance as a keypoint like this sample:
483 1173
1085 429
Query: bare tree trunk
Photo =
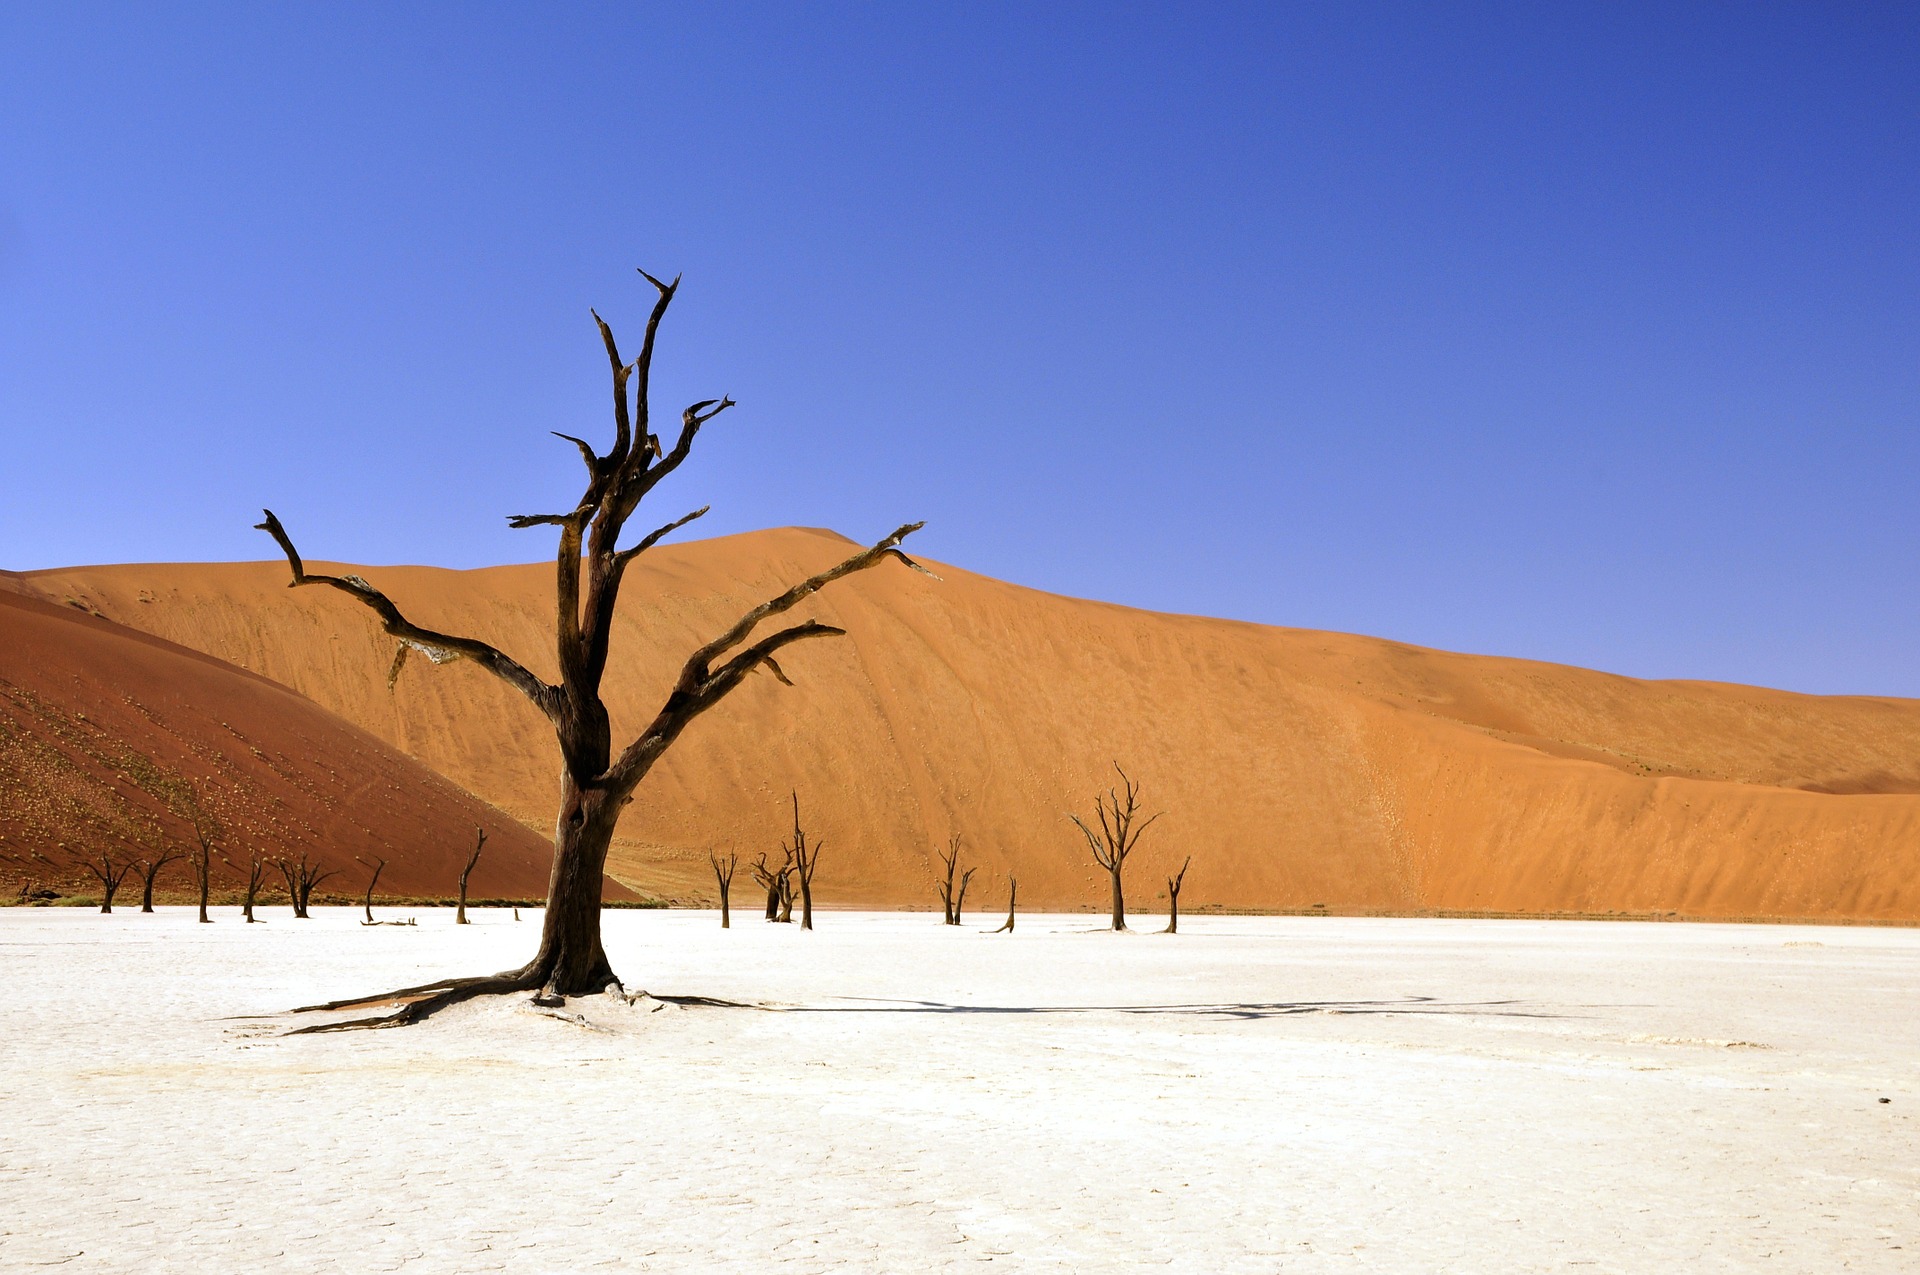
150 868
1117 837
460 917
723 873
1173 896
805 858
570 961
203 874
1013 892
379 866
111 874
256 872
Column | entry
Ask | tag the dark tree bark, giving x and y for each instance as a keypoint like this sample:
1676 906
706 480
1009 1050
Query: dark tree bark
206 830
149 869
805 858
460 917
772 882
1013 892
1173 896
1118 811
111 874
596 781
953 895
256 873
723 873
379 866
302 879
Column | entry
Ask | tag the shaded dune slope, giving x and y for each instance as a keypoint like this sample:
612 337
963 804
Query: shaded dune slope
106 733
1298 768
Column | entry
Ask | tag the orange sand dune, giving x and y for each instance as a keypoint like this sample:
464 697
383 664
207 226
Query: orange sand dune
104 730
1297 768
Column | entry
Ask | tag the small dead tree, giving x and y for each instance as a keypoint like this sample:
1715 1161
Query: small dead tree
1173 897
256 873
1013 892
723 873
598 778
460 917
111 874
1118 811
805 858
302 879
952 896
201 858
770 882
149 869
379 866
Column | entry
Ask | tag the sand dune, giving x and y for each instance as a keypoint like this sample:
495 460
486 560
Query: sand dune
1298 768
105 732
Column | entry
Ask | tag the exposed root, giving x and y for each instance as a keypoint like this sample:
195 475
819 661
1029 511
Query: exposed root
417 1004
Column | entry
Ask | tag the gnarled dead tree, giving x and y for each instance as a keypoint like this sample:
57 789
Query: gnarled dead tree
302 879
149 869
379 866
111 874
952 896
805 858
1119 832
480 843
1013 892
723 873
205 830
597 781
1173 896
256 873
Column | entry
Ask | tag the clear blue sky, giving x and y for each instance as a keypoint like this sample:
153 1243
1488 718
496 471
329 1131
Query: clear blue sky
1589 333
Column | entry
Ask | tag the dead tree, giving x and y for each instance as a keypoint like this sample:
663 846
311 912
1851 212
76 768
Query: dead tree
597 782
379 866
723 873
951 898
1013 891
201 856
256 873
771 882
302 879
804 858
1118 811
460 917
1173 897
111 874
149 869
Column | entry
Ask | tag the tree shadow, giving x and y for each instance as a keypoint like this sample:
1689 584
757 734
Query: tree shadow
1240 1010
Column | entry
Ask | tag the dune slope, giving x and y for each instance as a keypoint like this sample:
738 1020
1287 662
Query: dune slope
1297 768
107 734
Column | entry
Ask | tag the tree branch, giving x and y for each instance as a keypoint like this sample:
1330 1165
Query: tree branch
486 656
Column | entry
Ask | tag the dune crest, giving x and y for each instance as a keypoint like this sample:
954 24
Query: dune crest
1298 768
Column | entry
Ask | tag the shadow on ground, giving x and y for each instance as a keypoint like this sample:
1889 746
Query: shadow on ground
1231 1009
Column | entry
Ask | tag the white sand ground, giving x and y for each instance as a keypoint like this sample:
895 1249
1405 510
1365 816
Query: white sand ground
1255 1094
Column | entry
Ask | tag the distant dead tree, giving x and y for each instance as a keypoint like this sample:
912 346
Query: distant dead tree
149 869
302 878
597 782
256 873
778 883
1118 811
805 859
205 830
111 874
460 917
951 897
379 866
723 873
1173 897
1013 892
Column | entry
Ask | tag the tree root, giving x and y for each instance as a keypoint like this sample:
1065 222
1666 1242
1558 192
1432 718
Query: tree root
417 1004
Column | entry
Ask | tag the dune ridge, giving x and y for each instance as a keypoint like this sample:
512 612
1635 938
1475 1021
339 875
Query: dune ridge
1299 768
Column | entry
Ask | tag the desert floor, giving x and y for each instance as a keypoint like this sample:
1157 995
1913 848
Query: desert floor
1255 1094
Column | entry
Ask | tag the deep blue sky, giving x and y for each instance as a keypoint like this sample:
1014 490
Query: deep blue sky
1590 334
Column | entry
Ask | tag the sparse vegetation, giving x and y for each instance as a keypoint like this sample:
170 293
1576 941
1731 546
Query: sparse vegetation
953 895
1117 811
